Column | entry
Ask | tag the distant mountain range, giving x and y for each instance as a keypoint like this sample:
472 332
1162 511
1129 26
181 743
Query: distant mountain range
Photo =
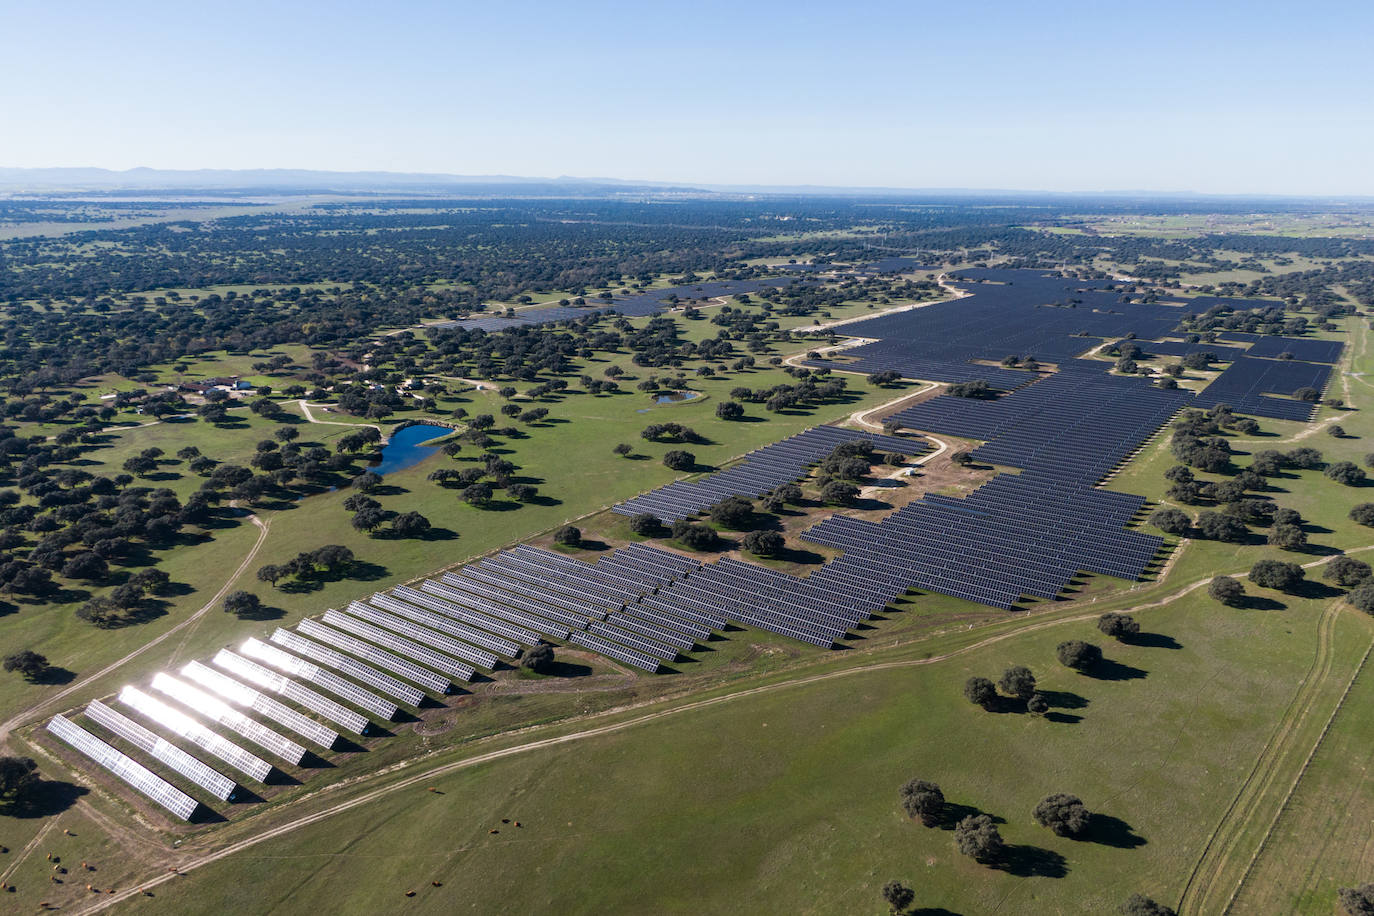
279 181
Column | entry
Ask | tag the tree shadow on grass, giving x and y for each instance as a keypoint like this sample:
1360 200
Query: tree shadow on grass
1260 603
1064 699
1111 831
263 612
1312 588
54 675
953 813
46 799
1109 670
1152 641
439 534
1026 861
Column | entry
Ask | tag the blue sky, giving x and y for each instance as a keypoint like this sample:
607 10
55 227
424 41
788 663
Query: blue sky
1225 97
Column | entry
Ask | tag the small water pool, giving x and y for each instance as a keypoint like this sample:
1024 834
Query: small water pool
406 448
672 397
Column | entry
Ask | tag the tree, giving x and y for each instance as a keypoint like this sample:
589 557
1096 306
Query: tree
764 543
730 410
477 494
366 482
1346 571
1357 901
697 537
1218 526
1363 514
1276 574
1287 537
679 460
1171 521
28 663
1362 597
270 574
568 536
974 389
18 777
1037 705
1118 626
1062 813
1140 905
88 565
923 799
241 603
981 691
368 519
1226 590
976 836
733 512
538 658
839 493
624 449
1346 472
646 524
1078 655
898 896
1018 681
409 525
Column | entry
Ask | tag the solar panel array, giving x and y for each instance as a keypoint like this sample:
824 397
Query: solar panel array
127 769
1303 348
184 726
759 472
308 671
160 748
1264 387
223 714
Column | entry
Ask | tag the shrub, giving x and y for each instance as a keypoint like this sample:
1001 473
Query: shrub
1140 905
27 663
1077 654
898 896
1363 513
1362 597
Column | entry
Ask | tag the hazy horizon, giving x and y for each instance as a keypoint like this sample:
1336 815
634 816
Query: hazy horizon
1235 98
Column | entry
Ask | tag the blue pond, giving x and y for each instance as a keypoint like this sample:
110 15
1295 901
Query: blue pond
407 449
673 397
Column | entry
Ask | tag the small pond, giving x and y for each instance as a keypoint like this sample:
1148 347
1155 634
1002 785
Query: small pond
406 448
672 397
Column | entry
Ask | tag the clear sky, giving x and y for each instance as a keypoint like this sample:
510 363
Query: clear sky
1222 96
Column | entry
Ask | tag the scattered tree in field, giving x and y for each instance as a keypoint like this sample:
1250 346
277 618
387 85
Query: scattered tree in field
1357 901
1276 574
763 543
1078 655
409 525
271 573
366 482
898 896
679 460
977 837
1218 526
624 449
1336 432
478 494
1037 705
961 458
1140 905
1363 513
839 493
18 777
1287 537
789 492
1018 681
241 603
730 410
368 519
924 800
1346 572
1226 590
1171 521
974 389
646 525
538 659
697 537
1346 472
1118 626
521 492
981 691
568 536
1362 597
1062 813
27 663
733 512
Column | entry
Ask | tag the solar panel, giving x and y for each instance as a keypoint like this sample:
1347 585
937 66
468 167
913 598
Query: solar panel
271 680
309 671
243 695
611 650
370 653
184 726
390 640
354 668
449 625
132 772
219 786
221 712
